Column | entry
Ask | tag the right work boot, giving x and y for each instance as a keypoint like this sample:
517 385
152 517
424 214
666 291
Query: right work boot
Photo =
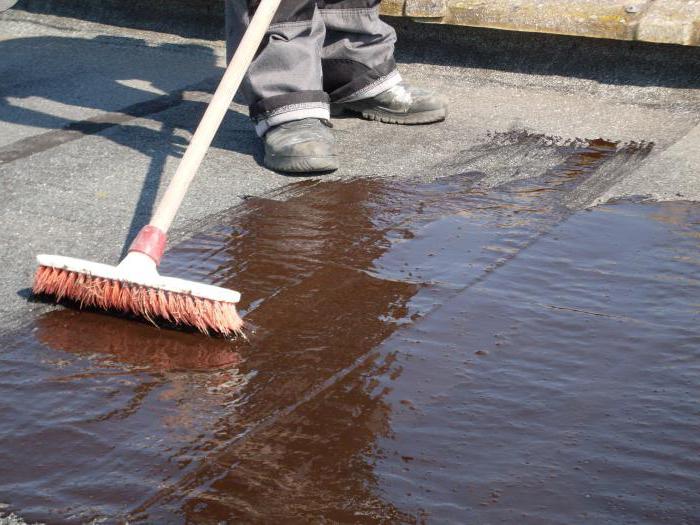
301 146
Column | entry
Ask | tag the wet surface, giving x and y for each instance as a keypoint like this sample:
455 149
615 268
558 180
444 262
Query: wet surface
441 352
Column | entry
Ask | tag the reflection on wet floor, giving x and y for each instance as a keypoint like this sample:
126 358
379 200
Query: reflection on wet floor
140 346
444 352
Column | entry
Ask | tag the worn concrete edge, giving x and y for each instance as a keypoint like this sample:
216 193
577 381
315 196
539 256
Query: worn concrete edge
658 21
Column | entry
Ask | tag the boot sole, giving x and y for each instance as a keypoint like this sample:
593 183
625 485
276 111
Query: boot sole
424 117
302 164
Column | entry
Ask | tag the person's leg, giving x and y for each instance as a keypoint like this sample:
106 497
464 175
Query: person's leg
358 54
283 87
284 81
359 71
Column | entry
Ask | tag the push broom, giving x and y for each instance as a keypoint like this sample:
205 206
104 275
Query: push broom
135 286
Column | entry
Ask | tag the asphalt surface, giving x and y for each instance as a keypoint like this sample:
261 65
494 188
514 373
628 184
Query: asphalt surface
93 119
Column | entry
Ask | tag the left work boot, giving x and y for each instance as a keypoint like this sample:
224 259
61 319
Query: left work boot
401 104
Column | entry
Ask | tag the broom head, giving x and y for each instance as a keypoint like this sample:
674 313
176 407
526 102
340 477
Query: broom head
138 289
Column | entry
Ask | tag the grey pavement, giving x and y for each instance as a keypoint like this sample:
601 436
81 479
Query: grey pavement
93 119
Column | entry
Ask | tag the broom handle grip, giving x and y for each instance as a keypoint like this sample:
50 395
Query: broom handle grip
214 114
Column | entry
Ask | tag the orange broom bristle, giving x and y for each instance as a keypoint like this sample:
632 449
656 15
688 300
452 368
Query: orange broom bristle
178 308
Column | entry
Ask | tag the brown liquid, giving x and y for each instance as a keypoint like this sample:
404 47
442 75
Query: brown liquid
439 352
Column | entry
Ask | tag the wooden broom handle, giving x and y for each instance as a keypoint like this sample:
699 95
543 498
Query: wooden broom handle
220 103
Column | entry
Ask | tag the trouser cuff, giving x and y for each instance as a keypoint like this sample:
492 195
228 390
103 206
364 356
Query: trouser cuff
276 110
349 80
375 88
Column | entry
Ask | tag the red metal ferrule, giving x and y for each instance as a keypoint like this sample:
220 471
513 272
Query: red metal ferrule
150 241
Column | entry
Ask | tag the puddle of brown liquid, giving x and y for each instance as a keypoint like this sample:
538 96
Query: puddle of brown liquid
421 352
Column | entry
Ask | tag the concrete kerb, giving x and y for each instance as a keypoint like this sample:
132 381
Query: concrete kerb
671 22
661 21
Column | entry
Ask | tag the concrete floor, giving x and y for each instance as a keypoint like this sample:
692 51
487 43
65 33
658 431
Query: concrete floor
93 119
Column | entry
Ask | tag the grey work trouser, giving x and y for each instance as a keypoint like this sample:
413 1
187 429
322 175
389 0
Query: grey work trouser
315 52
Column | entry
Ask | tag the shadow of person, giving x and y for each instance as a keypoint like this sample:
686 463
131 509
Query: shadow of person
63 85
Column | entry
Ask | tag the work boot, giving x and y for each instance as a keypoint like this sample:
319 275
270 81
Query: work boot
401 104
301 146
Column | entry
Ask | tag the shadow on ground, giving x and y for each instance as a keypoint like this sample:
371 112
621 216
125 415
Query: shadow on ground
43 86
604 61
